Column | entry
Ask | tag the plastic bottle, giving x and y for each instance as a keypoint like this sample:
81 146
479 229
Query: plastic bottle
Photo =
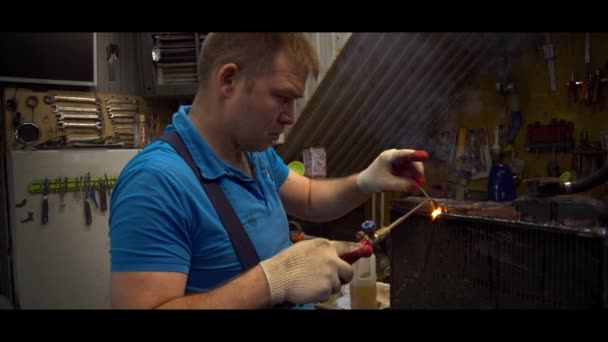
363 291
501 187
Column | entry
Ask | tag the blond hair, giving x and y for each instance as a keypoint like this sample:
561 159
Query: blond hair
255 53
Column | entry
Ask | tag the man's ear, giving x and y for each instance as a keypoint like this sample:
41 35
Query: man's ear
226 79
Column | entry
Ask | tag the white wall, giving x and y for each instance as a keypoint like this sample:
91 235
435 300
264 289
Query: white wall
63 264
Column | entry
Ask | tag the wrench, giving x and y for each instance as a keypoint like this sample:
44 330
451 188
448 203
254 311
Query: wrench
110 101
129 132
121 115
126 139
64 125
61 116
123 109
72 138
53 99
125 126
76 109
123 121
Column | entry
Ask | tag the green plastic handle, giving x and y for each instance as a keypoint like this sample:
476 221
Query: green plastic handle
565 177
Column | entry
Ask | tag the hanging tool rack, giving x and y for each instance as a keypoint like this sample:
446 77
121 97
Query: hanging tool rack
74 184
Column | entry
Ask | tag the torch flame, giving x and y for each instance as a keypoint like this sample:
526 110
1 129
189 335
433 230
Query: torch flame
436 213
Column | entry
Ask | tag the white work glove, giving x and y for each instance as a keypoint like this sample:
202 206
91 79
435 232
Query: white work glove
309 271
394 170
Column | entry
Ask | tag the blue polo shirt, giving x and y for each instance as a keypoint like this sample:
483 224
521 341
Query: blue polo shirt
162 220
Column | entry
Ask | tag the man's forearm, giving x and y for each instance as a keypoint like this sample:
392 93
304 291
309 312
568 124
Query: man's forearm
333 198
247 291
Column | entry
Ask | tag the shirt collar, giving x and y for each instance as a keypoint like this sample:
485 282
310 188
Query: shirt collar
211 165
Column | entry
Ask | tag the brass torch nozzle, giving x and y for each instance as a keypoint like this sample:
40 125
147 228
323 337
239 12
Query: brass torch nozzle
380 235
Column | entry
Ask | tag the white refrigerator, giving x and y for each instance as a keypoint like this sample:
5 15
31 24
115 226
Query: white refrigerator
65 262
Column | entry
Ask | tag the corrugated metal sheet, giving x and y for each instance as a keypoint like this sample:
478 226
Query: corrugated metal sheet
386 90
328 45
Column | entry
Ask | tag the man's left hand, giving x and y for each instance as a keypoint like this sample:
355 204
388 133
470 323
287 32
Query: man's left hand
394 170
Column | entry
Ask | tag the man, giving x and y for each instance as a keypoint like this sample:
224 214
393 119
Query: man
170 249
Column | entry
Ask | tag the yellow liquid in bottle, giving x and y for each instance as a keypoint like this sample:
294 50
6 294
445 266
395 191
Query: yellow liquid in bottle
363 297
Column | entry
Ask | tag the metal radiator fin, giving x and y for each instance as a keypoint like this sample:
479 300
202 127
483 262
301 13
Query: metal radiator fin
458 262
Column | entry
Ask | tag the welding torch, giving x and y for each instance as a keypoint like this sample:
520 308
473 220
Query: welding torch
373 237
398 168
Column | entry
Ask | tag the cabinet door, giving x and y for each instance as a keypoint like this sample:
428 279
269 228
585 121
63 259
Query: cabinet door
169 62
118 74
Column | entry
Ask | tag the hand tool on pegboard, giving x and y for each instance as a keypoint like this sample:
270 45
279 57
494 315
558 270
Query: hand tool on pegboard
572 89
103 200
113 53
549 51
52 99
596 85
45 201
87 206
91 188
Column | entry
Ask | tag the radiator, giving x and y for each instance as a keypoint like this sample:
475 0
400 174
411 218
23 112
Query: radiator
465 262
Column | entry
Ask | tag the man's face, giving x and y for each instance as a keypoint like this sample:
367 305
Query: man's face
258 115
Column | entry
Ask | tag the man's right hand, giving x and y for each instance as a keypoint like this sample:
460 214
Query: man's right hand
309 271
